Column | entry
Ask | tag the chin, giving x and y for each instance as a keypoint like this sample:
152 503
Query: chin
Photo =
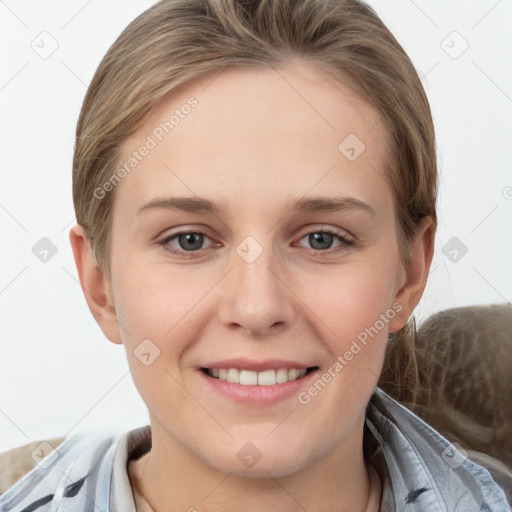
251 462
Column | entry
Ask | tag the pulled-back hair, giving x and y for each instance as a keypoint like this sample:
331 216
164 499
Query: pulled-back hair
463 361
460 382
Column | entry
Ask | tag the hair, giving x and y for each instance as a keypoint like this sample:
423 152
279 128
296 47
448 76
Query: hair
176 41
462 367
462 382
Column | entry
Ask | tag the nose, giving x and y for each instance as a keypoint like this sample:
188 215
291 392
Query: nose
257 297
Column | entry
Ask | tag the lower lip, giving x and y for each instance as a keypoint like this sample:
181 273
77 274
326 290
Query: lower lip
259 395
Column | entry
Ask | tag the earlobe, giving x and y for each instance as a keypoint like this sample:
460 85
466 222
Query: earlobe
95 286
416 273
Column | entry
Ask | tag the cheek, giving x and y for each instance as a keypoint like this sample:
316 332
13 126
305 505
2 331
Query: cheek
353 299
155 336
161 312
356 313
151 301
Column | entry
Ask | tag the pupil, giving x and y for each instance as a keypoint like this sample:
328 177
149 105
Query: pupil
189 237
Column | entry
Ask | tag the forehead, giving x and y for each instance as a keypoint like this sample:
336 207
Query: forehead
261 134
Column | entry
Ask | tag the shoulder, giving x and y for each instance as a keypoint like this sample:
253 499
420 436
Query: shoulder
426 469
38 474
19 461
501 473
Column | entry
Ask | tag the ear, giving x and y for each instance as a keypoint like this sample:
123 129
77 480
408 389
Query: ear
416 273
95 286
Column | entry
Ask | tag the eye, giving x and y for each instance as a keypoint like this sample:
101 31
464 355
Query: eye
186 241
322 239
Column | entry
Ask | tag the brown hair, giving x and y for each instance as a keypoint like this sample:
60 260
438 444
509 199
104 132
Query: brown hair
176 41
459 381
462 368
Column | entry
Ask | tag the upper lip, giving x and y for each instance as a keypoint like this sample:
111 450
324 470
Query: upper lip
256 366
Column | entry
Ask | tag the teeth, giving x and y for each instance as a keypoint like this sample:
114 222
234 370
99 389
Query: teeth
282 375
233 375
250 378
293 373
267 378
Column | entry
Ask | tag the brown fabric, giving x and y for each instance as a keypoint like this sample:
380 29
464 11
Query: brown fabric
18 462
464 367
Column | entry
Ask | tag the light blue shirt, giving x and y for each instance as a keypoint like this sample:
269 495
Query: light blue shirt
426 474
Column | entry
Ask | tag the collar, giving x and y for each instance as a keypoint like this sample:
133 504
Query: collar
424 470
420 470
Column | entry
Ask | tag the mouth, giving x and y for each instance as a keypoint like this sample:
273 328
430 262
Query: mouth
254 382
270 377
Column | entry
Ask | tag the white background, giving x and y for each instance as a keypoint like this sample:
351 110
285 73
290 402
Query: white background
58 373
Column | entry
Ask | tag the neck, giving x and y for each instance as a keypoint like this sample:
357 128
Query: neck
339 482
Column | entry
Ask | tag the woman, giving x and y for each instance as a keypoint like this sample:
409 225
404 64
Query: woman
220 145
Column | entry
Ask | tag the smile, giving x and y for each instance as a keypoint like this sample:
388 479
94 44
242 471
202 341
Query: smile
253 378
256 383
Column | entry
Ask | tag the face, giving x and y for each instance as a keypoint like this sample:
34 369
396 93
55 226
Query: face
256 235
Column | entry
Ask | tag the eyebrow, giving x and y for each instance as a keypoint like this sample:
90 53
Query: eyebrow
311 204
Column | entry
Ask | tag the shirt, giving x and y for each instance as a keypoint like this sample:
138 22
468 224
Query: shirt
421 471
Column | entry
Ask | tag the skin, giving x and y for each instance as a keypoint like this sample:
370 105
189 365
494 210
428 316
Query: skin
253 143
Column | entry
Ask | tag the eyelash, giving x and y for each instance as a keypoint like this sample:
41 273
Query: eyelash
187 254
